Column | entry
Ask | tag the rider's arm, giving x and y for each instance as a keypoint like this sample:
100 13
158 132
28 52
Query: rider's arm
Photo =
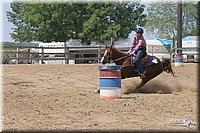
132 45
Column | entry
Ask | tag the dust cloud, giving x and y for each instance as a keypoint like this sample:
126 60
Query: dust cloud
162 86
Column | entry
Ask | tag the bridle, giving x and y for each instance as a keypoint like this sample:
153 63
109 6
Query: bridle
109 58
108 55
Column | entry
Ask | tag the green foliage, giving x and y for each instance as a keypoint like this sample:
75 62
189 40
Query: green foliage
162 19
190 19
49 22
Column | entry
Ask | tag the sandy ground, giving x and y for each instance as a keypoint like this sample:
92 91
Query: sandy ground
62 97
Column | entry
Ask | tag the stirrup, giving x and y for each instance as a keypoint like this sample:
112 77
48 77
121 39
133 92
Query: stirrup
142 76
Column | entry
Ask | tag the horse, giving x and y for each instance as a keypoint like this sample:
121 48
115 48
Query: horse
153 66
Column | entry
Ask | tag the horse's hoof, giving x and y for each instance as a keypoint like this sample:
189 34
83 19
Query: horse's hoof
97 91
142 76
128 92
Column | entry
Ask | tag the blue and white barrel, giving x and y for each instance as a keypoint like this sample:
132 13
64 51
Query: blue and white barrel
110 81
178 60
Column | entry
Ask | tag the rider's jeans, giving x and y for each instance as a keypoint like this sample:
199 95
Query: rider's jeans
138 59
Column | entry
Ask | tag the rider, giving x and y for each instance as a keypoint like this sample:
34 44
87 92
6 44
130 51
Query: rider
138 47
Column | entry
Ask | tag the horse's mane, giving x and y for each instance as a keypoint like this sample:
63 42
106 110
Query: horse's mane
119 51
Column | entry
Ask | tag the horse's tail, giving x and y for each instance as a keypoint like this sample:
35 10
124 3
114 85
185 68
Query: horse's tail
167 66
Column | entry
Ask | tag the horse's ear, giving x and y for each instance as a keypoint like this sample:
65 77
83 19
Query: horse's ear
112 44
106 46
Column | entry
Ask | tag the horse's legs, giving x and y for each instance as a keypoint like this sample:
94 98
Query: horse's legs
150 73
97 90
142 83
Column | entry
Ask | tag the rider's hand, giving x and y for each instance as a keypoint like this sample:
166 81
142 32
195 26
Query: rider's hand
132 53
128 52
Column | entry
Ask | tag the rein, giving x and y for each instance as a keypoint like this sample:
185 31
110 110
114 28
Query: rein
111 56
123 57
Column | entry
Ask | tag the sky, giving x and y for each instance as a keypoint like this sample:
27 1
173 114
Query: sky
6 25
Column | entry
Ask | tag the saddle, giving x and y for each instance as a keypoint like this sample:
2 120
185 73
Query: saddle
144 58
147 60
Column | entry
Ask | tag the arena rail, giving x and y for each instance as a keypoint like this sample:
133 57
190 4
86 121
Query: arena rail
82 54
190 54
78 54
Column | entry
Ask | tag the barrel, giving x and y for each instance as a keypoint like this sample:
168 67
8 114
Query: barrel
110 81
178 60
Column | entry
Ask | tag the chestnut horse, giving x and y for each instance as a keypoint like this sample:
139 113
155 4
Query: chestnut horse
153 66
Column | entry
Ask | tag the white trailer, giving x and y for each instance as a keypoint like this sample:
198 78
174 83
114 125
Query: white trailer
156 48
190 53
52 44
56 51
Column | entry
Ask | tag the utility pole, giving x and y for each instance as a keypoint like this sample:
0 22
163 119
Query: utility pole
179 56
179 26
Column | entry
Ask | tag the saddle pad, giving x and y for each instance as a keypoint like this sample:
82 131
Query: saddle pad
149 60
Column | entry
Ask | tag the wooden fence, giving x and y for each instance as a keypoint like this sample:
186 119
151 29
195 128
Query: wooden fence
78 54
190 54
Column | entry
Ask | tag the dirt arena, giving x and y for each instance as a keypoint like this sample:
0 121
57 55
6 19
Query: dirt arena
62 98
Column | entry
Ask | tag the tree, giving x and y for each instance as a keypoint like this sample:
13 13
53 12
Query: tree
162 19
49 22
190 19
112 20
46 22
21 27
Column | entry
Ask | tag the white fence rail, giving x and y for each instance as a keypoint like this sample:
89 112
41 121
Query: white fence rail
79 54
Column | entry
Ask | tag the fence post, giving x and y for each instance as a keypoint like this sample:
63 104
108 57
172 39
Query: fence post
99 53
171 54
29 56
172 49
17 55
66 54
42 55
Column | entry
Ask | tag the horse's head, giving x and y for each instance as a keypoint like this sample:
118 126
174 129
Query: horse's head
107 56
114 54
